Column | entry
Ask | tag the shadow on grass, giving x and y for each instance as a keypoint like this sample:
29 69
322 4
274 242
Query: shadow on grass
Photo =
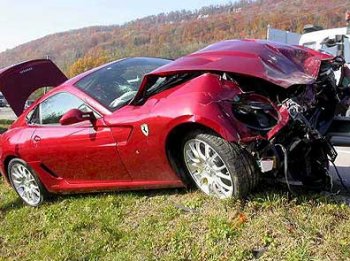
273 192
266 192
134 193
12 205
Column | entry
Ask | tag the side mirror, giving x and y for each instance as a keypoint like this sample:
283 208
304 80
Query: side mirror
329 42
74 116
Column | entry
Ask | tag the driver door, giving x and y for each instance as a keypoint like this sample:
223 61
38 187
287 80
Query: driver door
80 152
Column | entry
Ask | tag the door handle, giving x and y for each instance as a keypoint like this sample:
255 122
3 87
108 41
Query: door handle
36 138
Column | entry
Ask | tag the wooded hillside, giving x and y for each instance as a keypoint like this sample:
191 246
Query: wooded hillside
178 33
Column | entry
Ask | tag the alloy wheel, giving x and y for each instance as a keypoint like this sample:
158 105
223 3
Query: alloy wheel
25 184
207 169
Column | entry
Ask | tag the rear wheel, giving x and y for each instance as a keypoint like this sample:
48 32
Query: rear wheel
217 167
26 183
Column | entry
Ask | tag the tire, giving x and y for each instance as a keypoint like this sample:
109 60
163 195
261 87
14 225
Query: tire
26 183
218 168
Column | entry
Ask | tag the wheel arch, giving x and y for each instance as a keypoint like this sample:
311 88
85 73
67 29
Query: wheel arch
7 160
175 135
186 125
173 146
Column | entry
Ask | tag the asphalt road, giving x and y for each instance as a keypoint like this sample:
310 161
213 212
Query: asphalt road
343 165
7 114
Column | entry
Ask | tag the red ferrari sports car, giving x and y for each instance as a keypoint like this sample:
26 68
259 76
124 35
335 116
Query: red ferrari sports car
220 118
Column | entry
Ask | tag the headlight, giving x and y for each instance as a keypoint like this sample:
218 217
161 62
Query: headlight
255 111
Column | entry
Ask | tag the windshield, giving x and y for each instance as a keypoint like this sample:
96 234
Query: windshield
116 84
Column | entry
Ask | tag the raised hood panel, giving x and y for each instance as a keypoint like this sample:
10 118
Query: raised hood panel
18 82
281 64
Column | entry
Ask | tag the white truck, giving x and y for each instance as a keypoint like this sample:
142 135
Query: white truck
315 37
314 40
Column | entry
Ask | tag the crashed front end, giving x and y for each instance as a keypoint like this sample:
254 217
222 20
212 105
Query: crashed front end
287 137
285 129
287 99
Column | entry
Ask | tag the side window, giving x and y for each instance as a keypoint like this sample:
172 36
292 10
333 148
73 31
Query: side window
33 117
52 109
116 84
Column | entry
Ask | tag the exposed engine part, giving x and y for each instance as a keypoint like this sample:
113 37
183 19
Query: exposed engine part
303 152
285 166
266 165
294 108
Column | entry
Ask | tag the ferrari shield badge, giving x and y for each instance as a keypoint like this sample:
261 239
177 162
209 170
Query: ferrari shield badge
144 129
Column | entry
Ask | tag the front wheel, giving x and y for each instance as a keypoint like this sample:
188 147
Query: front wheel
217 167
26 183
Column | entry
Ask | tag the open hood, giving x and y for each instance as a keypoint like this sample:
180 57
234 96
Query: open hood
280 64
18 82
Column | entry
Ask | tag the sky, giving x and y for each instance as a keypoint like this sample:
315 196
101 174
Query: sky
25 20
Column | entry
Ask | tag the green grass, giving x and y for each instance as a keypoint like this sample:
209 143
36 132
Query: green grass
174 225
4 124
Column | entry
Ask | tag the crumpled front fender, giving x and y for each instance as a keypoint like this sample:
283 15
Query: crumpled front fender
211 100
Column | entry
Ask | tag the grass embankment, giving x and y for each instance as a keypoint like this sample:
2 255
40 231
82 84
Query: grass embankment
4 124
174 225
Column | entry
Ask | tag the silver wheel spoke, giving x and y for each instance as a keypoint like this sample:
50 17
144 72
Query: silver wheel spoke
213 157
36 192
198 147
194 150
16 175
193 158
222 184
223 176
218 190
35 188
22 170
31 179
216 168
22 193
29 194
17 181
207 150
25 195
17 170
27 174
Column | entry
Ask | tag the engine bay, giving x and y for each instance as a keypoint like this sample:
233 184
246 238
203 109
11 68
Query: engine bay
299 152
